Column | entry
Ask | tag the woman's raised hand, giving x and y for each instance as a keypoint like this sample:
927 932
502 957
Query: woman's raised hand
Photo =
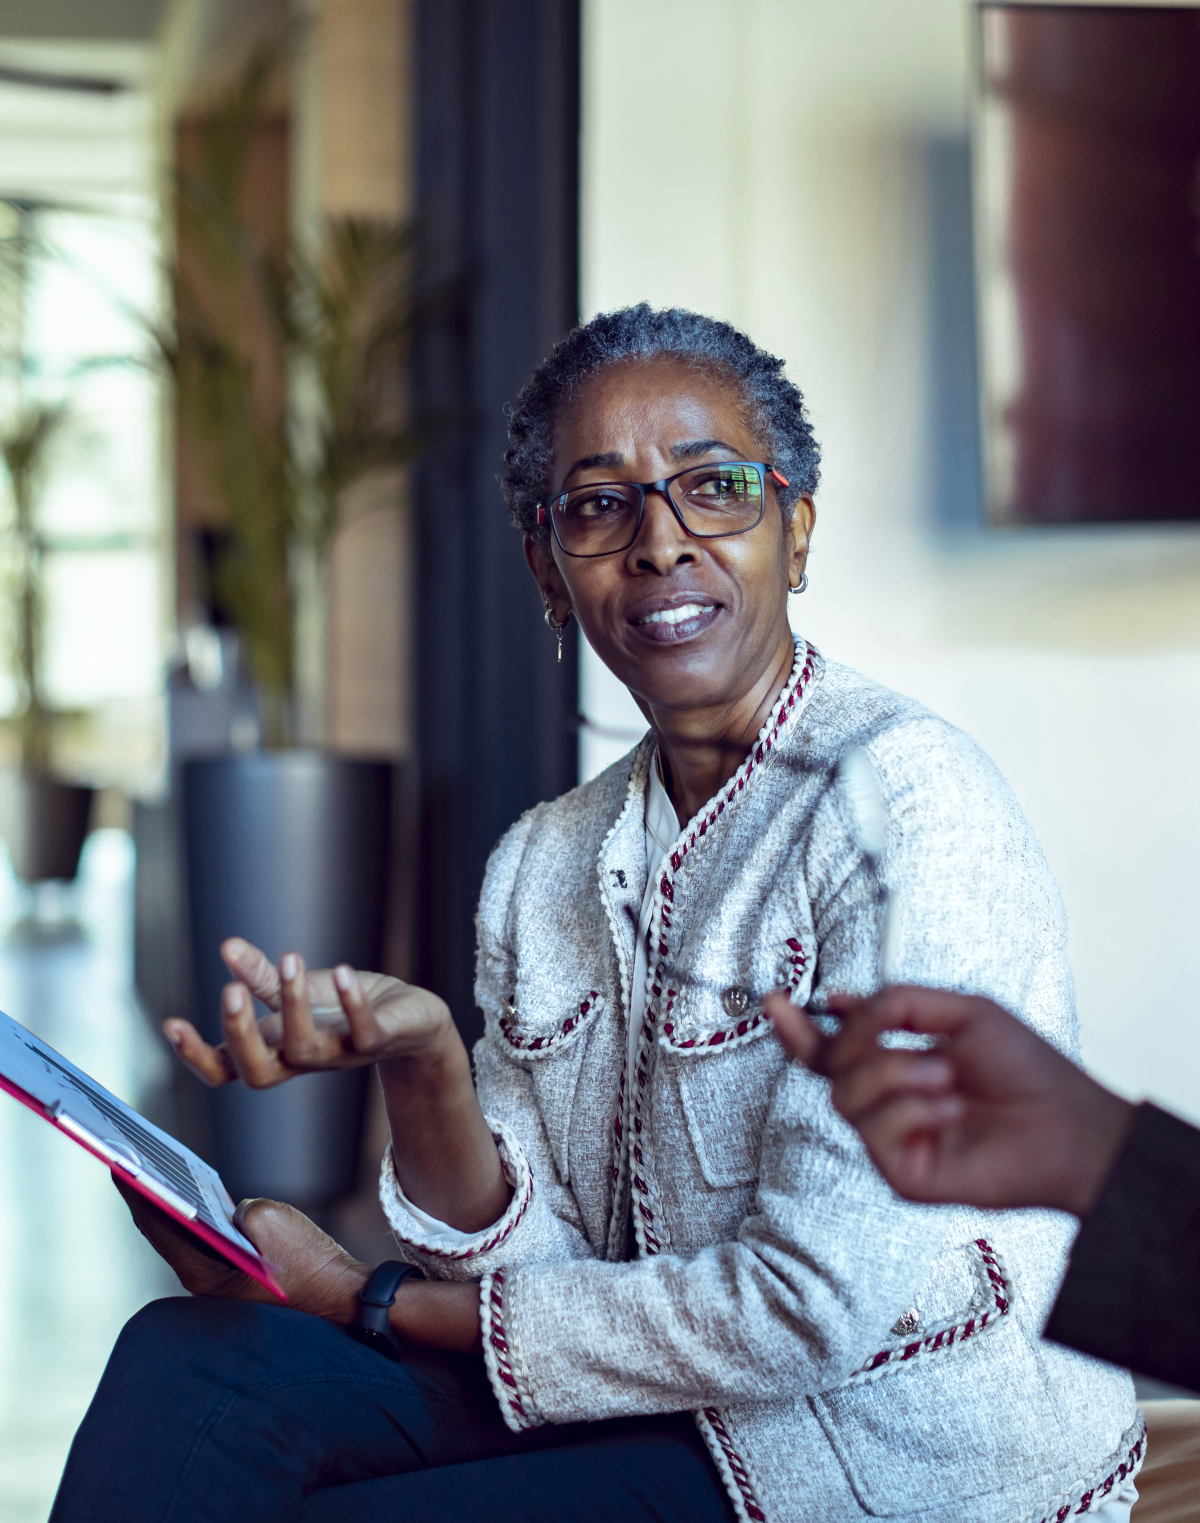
331 1019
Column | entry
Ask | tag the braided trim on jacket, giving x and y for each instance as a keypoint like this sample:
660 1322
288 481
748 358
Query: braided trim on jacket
747 1029
650 1228
783 711
502 1359
620 1163
1091 1494
542 1046
986 1313
517 1172
732 1467
751 1026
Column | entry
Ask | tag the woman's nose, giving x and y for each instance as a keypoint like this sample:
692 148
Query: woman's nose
662 543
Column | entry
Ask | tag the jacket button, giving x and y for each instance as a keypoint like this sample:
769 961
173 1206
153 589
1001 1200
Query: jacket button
735 1002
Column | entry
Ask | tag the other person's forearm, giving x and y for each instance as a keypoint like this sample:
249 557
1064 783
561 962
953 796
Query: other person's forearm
445 1156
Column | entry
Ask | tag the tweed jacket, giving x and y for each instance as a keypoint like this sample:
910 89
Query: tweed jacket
705 1232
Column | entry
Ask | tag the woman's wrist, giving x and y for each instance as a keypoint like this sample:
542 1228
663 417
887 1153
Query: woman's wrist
441 1064
443 1152
437 1314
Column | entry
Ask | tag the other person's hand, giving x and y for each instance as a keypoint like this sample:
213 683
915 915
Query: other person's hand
335 1018
319 1276
990 1116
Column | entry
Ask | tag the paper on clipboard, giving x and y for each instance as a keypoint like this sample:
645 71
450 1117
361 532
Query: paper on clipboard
162 1169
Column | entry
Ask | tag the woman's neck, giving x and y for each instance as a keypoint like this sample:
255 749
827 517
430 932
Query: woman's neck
701 749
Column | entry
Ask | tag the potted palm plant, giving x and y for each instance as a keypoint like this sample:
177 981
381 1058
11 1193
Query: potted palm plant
43 818
288 845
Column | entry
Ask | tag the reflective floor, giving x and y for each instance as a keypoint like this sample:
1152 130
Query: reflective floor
72 1266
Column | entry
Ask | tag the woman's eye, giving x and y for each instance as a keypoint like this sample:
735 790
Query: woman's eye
597 507
719 487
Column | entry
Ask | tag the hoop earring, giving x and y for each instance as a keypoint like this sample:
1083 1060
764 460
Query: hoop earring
557 628
794 592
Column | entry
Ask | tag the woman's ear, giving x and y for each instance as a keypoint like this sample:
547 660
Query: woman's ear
544 570
799 532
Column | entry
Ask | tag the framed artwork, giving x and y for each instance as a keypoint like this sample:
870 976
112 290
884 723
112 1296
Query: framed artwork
1087 206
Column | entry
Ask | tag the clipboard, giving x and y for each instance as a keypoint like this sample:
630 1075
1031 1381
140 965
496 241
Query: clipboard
142 1154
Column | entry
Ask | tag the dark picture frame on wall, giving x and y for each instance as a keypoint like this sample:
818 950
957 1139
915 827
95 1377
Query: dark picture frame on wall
1087 204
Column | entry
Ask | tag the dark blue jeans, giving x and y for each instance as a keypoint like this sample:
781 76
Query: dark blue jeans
211 1411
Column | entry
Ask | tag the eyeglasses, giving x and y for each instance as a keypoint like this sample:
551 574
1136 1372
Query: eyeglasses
710 501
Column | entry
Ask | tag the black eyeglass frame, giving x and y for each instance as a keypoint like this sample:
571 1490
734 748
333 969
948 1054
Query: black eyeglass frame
643 488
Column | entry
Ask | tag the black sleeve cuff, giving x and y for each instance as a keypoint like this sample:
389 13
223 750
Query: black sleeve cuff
1130 1292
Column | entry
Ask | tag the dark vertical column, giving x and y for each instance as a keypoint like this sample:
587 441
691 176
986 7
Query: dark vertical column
498 131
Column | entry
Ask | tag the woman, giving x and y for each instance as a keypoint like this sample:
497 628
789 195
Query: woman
639 1210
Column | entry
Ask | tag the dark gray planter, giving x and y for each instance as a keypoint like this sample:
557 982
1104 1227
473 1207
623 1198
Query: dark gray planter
291 851
44 823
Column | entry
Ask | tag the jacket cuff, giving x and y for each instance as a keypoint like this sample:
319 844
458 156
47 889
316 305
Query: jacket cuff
428 1242
502 1358
1133 1263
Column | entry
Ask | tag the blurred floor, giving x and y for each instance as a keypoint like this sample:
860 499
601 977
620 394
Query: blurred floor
73 1268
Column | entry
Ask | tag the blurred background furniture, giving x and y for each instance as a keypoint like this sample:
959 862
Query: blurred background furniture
1169 1482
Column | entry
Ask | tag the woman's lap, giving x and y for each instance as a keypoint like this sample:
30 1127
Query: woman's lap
657 1471
216 1409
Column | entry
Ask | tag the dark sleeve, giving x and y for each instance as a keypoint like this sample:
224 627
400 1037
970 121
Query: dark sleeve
1130 1295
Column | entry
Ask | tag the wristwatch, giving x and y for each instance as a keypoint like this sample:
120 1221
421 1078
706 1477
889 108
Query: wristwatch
375 1301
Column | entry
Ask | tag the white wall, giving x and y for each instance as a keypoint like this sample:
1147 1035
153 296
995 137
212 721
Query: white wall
798 167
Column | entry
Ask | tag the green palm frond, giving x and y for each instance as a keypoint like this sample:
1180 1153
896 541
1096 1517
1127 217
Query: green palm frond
341 318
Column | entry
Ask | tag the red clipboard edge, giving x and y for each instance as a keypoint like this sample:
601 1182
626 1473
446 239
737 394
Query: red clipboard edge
257 1268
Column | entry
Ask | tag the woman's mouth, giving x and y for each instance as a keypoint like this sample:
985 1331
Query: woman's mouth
680 622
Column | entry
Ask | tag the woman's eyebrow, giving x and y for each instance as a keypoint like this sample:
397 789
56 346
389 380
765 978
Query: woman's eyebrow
613 460
694 447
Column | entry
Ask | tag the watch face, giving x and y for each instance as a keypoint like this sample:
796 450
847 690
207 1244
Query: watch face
376 1340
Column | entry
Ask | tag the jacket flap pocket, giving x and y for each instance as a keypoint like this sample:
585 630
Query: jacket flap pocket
552 1054
536 1038
726 1098
984 1396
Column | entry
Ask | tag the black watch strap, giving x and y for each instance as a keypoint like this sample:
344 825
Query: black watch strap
375 1301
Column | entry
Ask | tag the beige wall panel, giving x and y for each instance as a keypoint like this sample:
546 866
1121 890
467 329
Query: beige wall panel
365 58
1072 656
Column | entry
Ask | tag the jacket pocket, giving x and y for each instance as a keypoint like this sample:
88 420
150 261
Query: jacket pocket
952 1405
726 1096
552 1053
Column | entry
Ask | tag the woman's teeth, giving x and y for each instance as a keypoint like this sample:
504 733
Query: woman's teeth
678 615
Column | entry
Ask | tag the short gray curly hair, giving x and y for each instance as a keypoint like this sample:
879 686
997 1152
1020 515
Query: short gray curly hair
632 333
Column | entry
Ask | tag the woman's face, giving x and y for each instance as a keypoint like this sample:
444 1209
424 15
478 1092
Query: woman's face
644 421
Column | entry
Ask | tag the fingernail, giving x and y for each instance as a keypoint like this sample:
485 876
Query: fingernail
287 966
172 1036
235 946
233 999
343 977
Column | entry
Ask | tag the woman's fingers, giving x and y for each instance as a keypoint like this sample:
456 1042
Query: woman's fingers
252 968
258 1065
212 1064
364 1027
303 1045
